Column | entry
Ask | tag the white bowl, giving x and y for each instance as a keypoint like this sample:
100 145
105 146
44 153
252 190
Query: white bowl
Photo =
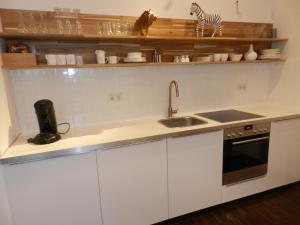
134 55
235 57
203 59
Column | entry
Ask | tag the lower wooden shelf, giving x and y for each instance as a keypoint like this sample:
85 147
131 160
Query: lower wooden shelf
139 64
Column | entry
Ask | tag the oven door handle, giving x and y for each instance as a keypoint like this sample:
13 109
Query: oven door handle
252 140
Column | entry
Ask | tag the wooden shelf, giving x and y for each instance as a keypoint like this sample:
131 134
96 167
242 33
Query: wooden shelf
132 39
142 64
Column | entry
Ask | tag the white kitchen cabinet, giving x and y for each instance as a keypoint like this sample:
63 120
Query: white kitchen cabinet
60 191
133 184
284 154
194 172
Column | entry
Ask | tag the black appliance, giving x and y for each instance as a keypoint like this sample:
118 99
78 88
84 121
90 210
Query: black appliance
230 115
47 123
245 152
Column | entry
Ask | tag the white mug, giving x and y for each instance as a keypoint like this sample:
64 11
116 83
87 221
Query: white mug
113 59
217 57
176 59
79 59
51 59
70 58
100 53
61 60
101 59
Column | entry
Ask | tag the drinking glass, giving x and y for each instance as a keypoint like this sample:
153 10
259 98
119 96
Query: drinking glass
21 26
59 23
42 26
107 28
32 25
125 28
99 28
78 25
117 28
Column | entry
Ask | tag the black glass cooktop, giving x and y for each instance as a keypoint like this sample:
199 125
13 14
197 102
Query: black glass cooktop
230 115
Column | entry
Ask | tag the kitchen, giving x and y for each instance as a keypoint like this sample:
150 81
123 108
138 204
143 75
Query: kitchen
132 168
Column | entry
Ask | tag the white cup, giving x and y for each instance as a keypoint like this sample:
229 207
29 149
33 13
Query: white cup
134 55
51 59
101 59
100 53
224 57
71 60
203 59
176 59
79 59
61 60
112 59
217 57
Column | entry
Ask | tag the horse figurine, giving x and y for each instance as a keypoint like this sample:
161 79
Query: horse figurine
145 21
203 18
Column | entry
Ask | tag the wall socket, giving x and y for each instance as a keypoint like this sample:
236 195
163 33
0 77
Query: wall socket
242 86
115 97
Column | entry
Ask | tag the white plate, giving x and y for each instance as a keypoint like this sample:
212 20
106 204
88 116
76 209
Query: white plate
134 60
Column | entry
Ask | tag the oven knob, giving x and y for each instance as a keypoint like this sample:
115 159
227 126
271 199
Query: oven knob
228 135
255 131
233 134
265 130
240 133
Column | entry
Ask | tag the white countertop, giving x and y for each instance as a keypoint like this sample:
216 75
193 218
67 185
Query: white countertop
83 139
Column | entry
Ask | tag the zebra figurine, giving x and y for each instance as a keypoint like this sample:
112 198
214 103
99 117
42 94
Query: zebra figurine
203 18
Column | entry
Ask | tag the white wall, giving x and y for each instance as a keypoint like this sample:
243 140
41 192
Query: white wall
285 79
251 10
82 96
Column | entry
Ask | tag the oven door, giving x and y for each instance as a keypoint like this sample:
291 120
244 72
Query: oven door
245 158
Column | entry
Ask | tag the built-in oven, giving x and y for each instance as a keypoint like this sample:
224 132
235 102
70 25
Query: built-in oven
245 152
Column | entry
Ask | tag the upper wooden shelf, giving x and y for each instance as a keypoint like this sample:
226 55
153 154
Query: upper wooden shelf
132 39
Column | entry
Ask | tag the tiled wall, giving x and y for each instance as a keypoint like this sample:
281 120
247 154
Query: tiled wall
82 96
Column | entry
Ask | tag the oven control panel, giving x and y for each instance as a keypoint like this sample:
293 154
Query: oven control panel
246 130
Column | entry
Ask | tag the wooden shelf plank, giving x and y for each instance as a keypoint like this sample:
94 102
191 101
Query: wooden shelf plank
132 39
142 64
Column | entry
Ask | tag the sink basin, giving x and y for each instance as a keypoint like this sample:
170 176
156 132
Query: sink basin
182 122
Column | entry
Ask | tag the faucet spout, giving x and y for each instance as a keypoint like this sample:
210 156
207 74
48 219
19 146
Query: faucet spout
172 111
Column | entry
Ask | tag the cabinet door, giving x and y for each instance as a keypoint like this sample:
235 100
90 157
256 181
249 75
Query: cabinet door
194 172
61 191
133 184
284 154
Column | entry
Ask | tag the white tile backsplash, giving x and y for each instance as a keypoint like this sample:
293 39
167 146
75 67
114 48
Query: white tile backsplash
82 96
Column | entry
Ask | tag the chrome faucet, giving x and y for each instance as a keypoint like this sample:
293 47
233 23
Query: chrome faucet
172 111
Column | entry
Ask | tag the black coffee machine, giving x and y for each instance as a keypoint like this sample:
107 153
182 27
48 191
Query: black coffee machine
47 123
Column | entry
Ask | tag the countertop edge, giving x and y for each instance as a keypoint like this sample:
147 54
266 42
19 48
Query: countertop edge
110 145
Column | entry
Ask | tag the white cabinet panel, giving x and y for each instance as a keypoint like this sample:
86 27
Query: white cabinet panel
61 191
284 155
194 172
133 184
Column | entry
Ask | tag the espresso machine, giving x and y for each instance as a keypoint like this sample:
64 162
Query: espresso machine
47 123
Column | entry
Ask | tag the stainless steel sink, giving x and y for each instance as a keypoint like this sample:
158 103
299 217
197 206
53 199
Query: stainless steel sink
181 122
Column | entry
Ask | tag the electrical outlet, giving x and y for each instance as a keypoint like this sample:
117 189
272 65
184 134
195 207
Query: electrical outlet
115 97
242 86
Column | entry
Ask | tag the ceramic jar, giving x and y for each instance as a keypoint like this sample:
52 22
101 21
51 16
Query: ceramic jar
251 55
